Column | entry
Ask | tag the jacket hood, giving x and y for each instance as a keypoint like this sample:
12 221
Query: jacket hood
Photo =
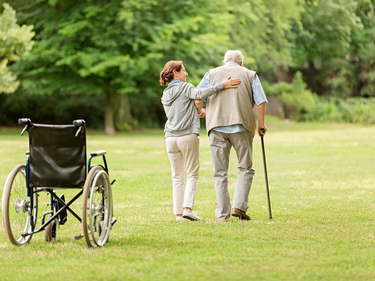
171 93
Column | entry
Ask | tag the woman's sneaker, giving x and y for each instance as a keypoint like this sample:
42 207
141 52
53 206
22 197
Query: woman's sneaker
190 215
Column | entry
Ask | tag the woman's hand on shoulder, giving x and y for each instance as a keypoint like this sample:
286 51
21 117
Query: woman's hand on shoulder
231 83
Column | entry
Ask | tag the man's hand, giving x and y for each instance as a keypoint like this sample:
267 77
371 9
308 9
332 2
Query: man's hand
262 131
202 113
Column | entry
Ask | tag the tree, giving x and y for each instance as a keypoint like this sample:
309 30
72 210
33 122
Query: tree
321 43
260 31
117 47
194 31
363 49
15 43
78 50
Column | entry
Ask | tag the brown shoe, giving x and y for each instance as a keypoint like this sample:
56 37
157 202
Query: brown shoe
240 214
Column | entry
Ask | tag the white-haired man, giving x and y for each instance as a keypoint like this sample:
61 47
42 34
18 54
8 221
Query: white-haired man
231 122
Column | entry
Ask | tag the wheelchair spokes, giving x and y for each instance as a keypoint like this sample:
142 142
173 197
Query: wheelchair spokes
19 212
97 207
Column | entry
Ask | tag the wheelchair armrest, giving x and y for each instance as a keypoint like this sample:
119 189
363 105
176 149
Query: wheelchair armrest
98 153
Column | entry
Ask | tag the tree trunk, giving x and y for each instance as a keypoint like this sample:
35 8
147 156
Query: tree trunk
312 77
109 124
123 116
284 75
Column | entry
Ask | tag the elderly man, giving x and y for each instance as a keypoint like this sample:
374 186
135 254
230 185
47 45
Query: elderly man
231 122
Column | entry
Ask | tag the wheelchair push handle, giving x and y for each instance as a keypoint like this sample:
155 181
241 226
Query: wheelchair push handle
79 123
26 122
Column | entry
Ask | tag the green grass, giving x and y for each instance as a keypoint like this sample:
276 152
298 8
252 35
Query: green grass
321 180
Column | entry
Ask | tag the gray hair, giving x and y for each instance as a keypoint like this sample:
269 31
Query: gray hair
233 55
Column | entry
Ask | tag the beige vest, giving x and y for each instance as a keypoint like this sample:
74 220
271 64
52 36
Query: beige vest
231 106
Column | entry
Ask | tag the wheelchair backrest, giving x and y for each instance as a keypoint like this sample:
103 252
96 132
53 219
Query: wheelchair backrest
57 156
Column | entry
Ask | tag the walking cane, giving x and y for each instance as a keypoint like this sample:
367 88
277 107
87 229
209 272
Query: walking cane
266 176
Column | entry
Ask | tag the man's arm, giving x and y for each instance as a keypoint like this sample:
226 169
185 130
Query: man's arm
262 129
260 100
205 82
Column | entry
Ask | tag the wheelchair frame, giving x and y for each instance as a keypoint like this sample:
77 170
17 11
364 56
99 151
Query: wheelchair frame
20 199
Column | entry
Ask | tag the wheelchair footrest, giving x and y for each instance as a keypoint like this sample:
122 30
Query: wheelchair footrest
78 236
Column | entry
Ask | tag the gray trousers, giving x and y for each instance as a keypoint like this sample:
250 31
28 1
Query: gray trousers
221 145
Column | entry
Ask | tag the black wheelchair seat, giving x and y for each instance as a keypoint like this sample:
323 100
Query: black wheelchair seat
57 156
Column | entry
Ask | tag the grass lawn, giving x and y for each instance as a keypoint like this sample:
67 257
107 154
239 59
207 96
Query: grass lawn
322 187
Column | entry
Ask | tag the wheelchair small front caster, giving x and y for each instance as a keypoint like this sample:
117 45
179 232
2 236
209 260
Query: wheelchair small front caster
50 232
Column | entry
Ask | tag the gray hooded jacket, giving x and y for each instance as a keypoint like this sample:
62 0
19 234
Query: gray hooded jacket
178 102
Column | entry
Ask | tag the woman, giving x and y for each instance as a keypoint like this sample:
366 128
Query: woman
182 131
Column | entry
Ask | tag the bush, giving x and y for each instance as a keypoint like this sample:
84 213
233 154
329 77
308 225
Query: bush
352 110
364 111
298 100
54 109
300 104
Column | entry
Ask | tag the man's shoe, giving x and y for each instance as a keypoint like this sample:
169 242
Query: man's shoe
190 215
240 214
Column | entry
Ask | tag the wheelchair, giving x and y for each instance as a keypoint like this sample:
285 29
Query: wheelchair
57 160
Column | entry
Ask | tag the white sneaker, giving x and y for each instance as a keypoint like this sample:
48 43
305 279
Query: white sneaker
190 215
180 218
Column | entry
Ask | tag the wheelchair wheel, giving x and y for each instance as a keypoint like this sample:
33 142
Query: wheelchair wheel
50 232
18 213
97 207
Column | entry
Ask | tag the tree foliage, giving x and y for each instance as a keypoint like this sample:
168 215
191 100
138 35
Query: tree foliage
15 43
260 29
116 48
363 48
322 42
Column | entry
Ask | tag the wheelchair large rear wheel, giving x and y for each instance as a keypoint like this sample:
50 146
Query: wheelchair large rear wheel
97 207
18 212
